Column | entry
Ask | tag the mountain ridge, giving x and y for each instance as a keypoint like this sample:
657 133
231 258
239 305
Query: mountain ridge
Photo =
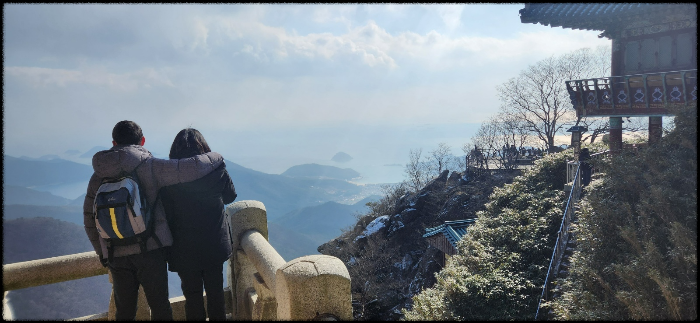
321 171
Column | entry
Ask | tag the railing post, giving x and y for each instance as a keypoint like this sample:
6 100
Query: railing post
265 287
6 310
244 216
314 287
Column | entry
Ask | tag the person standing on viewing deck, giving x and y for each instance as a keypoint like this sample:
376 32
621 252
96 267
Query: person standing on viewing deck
140 264
202 239
585 166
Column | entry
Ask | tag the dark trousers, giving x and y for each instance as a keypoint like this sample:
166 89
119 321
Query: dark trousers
586 175
213 281
149 270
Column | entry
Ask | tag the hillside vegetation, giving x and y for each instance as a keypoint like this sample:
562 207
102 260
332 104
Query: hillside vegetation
503 259
636 242
637 235
387 257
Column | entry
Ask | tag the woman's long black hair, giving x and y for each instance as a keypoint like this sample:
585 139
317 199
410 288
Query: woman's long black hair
188 142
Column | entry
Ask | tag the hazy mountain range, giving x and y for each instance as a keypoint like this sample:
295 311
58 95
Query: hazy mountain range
280 194
321 171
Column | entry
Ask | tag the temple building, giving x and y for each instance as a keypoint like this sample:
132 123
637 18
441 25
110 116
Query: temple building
653 63
445 236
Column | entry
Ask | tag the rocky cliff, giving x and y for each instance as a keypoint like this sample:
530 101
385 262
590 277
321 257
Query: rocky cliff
388 259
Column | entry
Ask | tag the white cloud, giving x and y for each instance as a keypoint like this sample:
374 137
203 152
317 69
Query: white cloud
375 47
241 66
130 81
450 15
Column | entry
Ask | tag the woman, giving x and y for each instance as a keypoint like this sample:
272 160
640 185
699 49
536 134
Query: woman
201 236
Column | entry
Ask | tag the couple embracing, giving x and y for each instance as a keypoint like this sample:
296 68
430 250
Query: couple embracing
184 198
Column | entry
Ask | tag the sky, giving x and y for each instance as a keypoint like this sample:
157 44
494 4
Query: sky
269 86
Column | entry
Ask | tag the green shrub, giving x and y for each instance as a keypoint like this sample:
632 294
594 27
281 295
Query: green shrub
503 259
637 236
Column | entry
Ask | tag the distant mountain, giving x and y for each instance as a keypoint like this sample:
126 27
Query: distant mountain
44 157
321 171
341 157
78 201
39 238
28 173
289 243
324 222
68 213
21 195
280 194
92 151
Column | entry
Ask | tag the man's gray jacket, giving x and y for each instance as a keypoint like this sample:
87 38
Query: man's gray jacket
153 174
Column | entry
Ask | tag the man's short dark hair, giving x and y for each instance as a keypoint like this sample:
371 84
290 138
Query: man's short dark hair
127 133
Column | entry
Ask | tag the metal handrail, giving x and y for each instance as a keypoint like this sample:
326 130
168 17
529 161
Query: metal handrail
562 238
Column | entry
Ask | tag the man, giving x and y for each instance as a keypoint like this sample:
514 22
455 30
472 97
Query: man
130 267
585 166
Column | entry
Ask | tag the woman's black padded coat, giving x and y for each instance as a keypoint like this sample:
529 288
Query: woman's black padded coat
200 228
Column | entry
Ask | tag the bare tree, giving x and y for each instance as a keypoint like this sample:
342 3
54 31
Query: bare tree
458 163
417 170
498 142
538 95
441 156
598 127
480 149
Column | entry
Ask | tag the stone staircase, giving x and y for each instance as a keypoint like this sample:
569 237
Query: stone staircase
565 263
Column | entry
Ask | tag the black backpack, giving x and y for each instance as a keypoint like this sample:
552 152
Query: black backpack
122 214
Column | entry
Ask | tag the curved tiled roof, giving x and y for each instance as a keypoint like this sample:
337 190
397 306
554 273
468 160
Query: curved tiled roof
452 230
594 16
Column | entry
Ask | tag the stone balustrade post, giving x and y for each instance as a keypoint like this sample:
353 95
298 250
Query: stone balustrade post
244 216
6 310
265 287
314 287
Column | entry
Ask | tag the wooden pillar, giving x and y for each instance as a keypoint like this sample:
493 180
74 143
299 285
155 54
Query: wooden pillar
655 129
615 143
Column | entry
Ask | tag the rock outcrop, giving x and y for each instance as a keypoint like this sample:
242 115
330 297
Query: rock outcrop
388 259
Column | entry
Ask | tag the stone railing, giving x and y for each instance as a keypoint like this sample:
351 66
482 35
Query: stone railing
265 287
262 286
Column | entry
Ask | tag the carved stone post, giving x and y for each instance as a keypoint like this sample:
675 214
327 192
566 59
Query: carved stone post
6 310
243 216
314 287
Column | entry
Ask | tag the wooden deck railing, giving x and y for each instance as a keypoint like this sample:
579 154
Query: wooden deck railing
262 285
638 94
